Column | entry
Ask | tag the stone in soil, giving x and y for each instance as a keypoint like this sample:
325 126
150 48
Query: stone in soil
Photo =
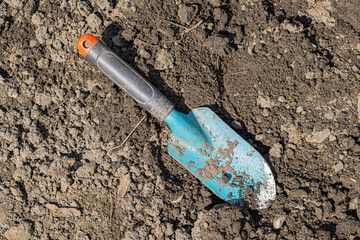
276 150
163 60
278 221
318 137
21 231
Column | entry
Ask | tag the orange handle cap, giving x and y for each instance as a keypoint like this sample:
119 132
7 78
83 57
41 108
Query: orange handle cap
85 43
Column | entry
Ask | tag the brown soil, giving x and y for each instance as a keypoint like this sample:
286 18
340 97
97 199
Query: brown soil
284 74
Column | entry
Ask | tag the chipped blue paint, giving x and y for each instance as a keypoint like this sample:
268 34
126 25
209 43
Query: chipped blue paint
210 149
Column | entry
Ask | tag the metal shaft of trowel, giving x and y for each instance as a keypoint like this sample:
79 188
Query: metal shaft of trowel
123 75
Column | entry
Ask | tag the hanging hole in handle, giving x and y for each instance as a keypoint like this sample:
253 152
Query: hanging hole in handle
86 44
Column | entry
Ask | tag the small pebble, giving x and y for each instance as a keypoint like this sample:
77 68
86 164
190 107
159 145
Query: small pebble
309 75
299 110
93 20
145 54
38 19
163 60
348 143
353 205
15 3
278 221
338 166
332 138
276 150
43 63
282 99
13 93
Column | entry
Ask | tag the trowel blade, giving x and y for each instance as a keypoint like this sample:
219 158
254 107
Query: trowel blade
224 162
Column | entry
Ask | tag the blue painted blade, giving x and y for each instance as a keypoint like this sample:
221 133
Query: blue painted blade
219 157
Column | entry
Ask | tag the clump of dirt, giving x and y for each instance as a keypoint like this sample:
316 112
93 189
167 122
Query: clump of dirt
285 76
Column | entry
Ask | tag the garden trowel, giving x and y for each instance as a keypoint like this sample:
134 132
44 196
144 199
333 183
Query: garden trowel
200 141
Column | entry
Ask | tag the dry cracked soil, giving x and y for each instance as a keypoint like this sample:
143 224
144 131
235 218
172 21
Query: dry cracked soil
283 74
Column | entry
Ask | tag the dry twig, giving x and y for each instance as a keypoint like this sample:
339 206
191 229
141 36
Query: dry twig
187 29
174 23
123 187
111 211
128 136
358 106
139 42
178 199
193 27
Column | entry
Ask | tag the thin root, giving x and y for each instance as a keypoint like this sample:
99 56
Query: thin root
193 27
186 28
176 24
235 73
128 136
139 42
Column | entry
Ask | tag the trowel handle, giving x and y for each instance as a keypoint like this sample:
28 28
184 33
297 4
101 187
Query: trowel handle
124 76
